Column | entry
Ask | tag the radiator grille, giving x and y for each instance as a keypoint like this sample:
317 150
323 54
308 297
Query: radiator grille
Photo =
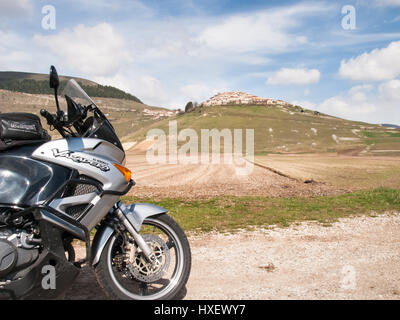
78 189
74 189
76 211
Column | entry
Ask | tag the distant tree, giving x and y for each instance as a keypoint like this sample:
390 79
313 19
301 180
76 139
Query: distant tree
189 106
42 87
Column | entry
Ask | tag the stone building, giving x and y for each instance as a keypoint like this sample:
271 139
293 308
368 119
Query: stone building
240 98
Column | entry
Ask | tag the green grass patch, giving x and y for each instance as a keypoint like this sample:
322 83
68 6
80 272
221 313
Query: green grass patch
277 129
380 134
233 213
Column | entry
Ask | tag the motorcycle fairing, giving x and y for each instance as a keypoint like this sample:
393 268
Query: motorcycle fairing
89 157
25 181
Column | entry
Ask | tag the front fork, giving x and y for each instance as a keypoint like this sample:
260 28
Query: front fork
120 211
132 217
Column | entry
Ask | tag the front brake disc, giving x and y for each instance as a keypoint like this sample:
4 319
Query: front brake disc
146 271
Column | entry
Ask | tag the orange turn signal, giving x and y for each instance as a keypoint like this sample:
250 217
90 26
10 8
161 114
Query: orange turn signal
125 172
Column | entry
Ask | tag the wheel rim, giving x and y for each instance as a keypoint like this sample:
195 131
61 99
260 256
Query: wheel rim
176 273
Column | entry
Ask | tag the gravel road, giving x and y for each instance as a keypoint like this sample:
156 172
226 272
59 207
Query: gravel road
355 258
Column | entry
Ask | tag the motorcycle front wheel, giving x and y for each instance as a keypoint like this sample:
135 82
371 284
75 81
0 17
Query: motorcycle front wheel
124 273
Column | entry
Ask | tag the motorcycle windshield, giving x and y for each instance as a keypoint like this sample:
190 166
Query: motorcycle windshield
102 129
76 93
99 126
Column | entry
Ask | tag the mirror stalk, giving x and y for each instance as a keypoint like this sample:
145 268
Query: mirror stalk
59 112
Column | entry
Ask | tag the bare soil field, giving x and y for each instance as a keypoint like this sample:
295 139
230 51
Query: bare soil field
340 171
355 258
199 181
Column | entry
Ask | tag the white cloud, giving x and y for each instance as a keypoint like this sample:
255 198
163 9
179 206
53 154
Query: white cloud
197 92
147 88
387 3
342 39
301 76
357 102
150 90
116 5
96 51
378 65
367 103
304 103
12 54
225 41
178 54
390 92
396 19
119 81
269 31
14 8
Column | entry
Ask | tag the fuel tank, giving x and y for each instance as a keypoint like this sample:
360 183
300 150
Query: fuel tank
25 181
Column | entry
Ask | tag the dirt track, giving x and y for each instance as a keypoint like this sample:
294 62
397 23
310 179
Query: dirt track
356 258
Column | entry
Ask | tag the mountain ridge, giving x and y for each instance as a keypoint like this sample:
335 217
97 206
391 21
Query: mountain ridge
38 83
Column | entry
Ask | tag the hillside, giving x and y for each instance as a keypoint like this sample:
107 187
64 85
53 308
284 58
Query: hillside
30 92
127 116
36 83
283 128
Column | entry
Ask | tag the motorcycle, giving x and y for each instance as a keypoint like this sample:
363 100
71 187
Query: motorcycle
54 192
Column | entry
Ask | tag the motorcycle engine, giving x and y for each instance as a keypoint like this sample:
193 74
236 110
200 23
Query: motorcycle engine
17 251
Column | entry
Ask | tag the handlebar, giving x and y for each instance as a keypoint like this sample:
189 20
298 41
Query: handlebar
48 116
53 120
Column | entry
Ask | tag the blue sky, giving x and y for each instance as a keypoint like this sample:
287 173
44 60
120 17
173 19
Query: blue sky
172 51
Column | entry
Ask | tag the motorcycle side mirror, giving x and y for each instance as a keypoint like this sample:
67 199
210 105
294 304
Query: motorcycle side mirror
54 84
54 80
